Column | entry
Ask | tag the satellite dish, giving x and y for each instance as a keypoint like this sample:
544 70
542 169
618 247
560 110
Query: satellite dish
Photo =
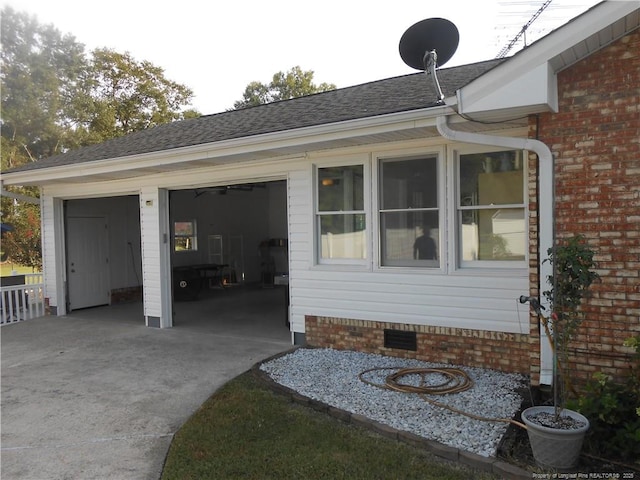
420 39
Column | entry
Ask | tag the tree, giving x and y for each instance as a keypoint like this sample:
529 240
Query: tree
22 244
125 95
39 74
292 84
55 97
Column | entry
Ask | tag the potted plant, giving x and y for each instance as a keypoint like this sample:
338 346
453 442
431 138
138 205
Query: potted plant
556 434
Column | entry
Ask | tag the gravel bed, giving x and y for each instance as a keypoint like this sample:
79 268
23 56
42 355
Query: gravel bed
332 377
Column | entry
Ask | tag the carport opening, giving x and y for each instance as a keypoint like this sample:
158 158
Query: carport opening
229 258
103 253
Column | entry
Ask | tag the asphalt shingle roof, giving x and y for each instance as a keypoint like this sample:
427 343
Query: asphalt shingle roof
397 94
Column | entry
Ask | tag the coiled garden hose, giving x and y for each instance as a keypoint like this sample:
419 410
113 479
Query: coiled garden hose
456 381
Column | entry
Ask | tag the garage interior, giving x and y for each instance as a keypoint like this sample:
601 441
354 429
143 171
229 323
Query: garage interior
229 257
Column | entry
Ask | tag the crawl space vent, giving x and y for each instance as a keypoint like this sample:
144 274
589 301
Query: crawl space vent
400 339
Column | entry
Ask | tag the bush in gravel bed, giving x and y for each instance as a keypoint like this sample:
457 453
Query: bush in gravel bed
613 409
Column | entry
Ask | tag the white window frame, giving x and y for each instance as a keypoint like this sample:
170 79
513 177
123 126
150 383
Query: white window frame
441 163
194 237
485 266
343 161
450 259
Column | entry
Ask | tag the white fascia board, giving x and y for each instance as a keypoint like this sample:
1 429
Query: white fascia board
533 91
419 118
530 71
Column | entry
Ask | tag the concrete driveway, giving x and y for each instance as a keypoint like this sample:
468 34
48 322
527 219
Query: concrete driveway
87 397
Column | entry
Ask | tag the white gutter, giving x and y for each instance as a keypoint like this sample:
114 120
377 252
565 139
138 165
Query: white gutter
546 211
300 137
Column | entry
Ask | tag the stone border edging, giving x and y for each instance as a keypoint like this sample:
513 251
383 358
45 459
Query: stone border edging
486 464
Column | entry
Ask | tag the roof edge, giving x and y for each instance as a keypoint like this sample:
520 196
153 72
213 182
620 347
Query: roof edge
538 64
233 147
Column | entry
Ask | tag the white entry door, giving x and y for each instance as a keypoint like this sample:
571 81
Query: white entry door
88 262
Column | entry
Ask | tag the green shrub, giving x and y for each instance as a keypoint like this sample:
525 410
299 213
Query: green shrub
613 409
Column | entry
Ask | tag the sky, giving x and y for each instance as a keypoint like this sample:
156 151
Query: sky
217 47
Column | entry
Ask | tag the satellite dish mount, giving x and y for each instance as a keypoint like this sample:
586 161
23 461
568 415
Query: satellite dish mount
429 44
430 62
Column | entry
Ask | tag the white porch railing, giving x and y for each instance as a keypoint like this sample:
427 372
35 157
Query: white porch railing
22 302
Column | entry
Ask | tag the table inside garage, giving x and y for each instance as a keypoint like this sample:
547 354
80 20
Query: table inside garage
190 280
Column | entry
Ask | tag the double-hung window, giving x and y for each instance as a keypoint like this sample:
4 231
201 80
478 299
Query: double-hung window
185 238
492 228
340 214
409 212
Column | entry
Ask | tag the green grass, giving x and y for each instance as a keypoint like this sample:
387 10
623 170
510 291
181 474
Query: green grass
7 268
246 431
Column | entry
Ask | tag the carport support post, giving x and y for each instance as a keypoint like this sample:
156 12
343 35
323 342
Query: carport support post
156 257
53 253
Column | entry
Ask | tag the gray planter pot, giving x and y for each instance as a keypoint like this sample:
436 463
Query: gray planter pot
553 447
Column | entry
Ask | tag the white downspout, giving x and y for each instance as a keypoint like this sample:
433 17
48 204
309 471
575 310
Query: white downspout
546 211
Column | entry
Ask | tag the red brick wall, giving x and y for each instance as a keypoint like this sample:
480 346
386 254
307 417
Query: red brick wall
126 295
595 138
507 352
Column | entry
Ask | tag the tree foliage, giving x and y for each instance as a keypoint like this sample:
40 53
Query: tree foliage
283 86
40 71
125 95
574 272
55 97
22 244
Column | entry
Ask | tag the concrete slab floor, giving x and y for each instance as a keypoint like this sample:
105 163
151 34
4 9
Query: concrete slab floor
97 395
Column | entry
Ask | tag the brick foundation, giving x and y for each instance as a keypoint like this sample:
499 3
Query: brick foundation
126 295
507 352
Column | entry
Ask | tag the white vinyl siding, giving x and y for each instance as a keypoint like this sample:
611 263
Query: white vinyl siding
473 302
301 244
53 252
155 260
483 299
